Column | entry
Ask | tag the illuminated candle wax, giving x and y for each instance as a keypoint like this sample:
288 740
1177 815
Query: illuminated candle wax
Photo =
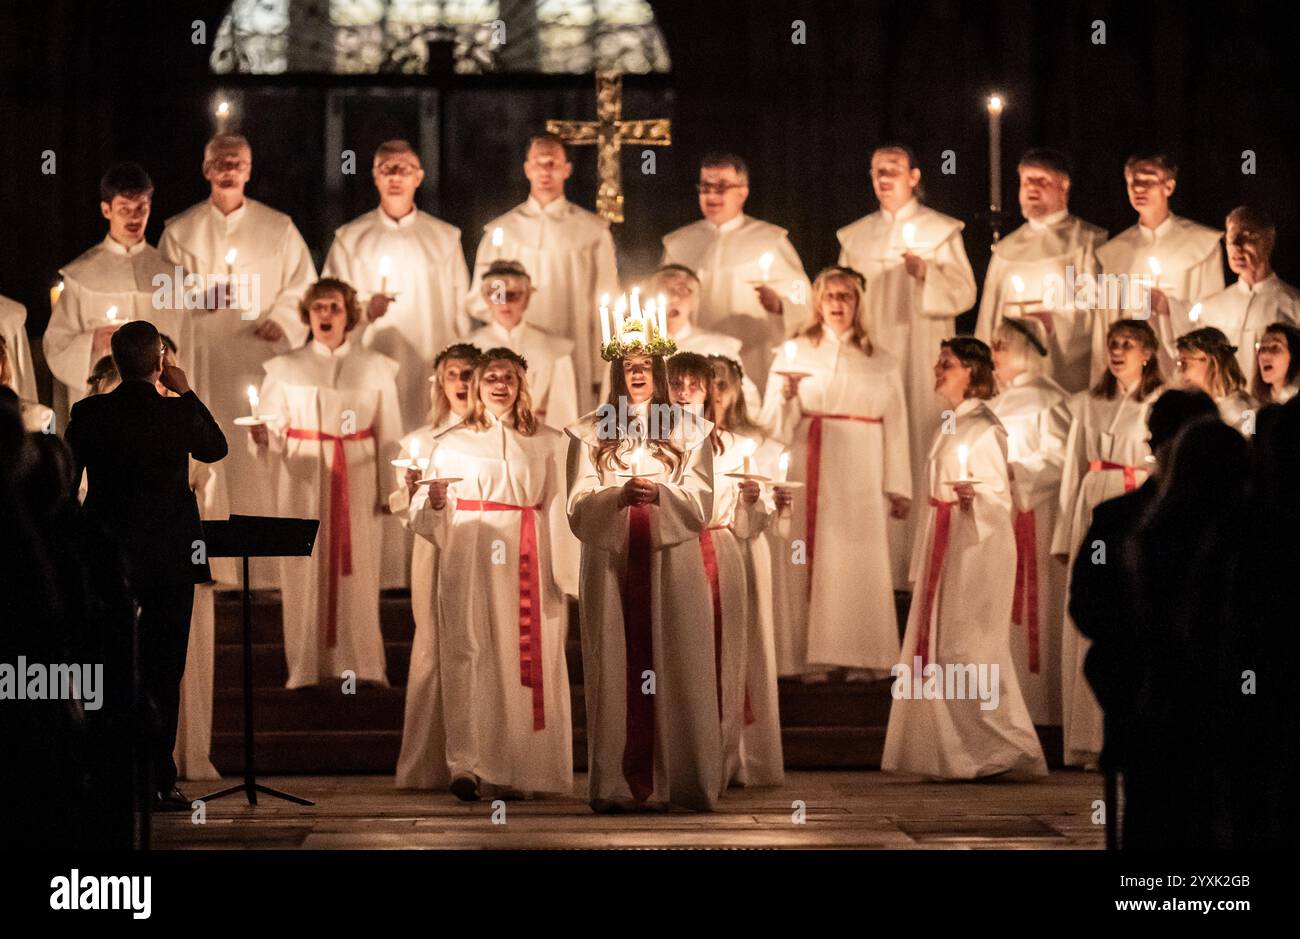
620 311
604 320
963 457
765 265
783 466
385 268
111 314
253 401
995 153
651 321
55 292
1018 285
634 460
498 237
791 350
909 235
1194 314
1154 265
636 304
415 455
748 450
231 255
439 462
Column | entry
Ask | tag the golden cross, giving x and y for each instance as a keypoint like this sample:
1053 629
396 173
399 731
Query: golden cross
609 132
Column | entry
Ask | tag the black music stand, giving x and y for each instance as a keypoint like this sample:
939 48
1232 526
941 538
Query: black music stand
256 536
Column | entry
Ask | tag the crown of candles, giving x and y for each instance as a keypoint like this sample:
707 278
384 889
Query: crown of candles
633 329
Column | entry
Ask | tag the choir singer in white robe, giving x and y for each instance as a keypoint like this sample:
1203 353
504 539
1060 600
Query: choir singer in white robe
335 421
422 760
838 400
1208 362
507 292
1277 373
1259 298
569 252
111 284
653 737
958 712
753 285
1030 268
1106 454
253 267
13 330
918 281
36 417
501 609
1170 263
1032 409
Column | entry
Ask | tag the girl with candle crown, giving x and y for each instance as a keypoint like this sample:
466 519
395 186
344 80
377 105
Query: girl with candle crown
1106 455
422 761
964 569
653 735
837 400
501 618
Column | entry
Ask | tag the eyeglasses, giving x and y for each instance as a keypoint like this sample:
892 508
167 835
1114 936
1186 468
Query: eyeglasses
717 189
397 169
230 164
1183 362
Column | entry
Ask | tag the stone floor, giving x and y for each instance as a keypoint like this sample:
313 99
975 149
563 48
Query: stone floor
842 809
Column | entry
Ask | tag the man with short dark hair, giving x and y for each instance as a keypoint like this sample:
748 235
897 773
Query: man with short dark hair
134 446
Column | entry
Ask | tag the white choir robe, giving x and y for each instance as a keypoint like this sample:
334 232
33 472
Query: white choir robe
969 623
1032 409
726 260
1101 431
731 526
422 760
272 257
349 393
1191 269
762 759
13 327
193 750
687 759
861 463
551 369
112 275
1046 254
508 733
1238 410
569 255
1242 313
909 319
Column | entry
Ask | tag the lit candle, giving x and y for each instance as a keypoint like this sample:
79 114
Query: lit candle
651 321
635 459
620 311
498 237
1194 314
385 268
415 452
111 313
253 401
995 153
1153 263
604 321
636 304
963 455
231 255
1018 285
223 115
55 292
909 235
748 451
791 350
438 463
784 466
765 264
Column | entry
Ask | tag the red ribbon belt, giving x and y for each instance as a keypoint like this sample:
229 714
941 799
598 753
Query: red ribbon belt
639 745
530 601
814 471
710 555
1130 472
340 520
1024 609
938 548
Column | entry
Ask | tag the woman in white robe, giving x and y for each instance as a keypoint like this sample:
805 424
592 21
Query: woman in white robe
1277 365
653 735
958 712
501 609
838 401
1106 455
36 417
1031 407
767 564
334 422
422 760
1208 362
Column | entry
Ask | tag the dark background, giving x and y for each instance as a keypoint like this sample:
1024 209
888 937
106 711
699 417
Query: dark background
98 82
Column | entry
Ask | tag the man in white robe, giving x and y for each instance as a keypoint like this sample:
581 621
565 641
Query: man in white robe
257 255
752 283
13 330
1030 267
1170 262
568 251
1259 298
507 290
918 281
111 284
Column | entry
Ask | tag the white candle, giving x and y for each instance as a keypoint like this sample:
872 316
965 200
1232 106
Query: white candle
783 466
253 401
620 311
438 463
1018 285
1154 265
231 255
604 321
963 455
635 459
791 350
909 235
1194 314
765 264
415 452
385 268
111 313
223 115
636 303
498 237
995 153
651 321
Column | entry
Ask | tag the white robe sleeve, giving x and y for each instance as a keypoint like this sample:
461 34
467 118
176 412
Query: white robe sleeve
273 401
796 296
596 515
339 265
779 416
565 550
431 524
949 281
67 344
988 464
898 466
685 507
20 356
388 427
987 321
456 289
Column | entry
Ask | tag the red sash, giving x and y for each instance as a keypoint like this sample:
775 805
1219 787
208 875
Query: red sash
1130 472
340 521
530 600
639 745
938 548
1024 608
815 469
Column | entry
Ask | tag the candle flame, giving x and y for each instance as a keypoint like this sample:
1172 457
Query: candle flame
498 237
790 350
765 262
415 449
1194 314
111 313
909 234
385 266
223 109
1153 262
785 461
995 104
253 399
1018 283
604 299
231 255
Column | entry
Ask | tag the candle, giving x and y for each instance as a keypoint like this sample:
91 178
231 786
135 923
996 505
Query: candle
651 321
231 255
784 466
55 292
385 268
438 463
620 311
498 237
253 401
748 450
415 452
909 235
604 321
765 264
963 455
1018 285
1194 314
995 153
790 351
1153 263
636 304
635 460
111 313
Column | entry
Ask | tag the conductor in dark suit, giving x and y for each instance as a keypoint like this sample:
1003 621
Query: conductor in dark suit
135 445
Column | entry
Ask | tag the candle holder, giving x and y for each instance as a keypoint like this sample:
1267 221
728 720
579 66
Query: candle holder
254 420
439 479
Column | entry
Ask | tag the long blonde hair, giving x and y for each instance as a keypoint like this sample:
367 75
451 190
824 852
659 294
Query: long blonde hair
814 328
440 407
521 415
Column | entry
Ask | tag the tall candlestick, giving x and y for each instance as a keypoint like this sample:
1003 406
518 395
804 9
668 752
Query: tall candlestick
995 154
385 268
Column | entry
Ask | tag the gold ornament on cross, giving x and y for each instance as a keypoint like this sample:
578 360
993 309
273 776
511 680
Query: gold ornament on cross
609 132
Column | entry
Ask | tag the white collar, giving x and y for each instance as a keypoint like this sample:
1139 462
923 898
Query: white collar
325 351
729 226
828 332
406 221
1050 220
233 217
556 206
1153 234
1020 380
905 211
517 332
967 405
114 246
1260 285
